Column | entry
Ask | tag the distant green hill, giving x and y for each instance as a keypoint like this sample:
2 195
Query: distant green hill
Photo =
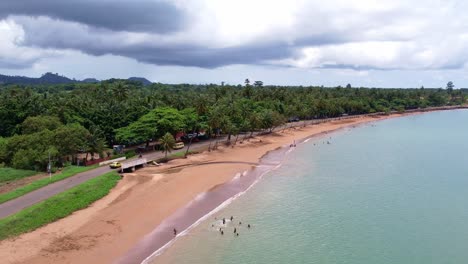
55 78
48 78
144 81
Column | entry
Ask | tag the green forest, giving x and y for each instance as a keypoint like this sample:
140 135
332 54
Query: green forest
62 120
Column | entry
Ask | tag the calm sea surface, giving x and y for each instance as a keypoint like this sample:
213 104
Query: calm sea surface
394 191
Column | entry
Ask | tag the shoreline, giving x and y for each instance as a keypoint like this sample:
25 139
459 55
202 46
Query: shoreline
278 154
111 227
202 207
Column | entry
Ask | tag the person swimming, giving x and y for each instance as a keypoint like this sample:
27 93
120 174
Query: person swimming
232 218
222 232
235 230
248 226
224 221
240 223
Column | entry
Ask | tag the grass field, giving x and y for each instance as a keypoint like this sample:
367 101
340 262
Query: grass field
58 206
67 172
10 174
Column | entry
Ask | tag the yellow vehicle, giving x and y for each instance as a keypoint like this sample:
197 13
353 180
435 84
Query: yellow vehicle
115 165
179 145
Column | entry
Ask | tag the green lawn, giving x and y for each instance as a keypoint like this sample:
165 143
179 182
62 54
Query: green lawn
10 174
67 172
58 206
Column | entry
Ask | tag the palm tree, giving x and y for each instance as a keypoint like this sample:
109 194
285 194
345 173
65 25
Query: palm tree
120 91
95 142
255 123
167 143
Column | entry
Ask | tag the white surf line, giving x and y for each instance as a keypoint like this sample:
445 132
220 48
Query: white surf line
203 218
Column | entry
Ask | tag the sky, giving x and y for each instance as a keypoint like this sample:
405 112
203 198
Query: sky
372 43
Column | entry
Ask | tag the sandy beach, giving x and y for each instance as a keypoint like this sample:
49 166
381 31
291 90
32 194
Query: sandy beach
105 231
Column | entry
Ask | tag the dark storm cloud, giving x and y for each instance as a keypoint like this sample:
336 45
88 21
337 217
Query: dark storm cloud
341 36
189 55
210 58
99 42
137 16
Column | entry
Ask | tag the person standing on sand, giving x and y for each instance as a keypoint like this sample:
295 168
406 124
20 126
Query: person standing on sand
235 230
175 232
232 218
224 221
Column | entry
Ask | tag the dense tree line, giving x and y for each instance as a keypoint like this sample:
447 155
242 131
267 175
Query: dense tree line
64 119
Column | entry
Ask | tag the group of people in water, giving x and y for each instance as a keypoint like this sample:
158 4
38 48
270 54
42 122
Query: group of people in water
294 143
324 142
221 230
236 233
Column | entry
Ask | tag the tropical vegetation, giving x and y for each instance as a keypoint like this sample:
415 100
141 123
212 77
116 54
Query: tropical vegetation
61 120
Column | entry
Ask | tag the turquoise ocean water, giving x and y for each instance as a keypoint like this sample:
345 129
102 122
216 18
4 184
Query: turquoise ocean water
394 191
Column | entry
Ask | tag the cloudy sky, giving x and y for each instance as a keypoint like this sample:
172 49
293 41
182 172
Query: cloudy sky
376 43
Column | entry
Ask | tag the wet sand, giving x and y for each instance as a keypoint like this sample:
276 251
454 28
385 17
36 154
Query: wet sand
139 214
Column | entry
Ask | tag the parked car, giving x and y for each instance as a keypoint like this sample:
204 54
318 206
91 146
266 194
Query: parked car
179 145
115 165
190 137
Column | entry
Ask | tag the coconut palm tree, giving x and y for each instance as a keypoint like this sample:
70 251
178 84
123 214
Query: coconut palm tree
120 91
95 142
167 143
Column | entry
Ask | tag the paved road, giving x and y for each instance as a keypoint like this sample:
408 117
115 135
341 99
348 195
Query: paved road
43 193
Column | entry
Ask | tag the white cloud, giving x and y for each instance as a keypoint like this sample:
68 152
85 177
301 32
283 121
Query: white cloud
12 53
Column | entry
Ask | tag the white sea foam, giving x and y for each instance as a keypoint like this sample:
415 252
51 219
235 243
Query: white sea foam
237 176
199 197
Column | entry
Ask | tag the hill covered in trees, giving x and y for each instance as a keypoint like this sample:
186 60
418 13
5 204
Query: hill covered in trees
55 78
63 119
48 78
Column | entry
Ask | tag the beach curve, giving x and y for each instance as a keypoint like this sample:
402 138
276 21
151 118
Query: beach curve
134 216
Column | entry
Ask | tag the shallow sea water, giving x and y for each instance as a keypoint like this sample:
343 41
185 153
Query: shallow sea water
393 191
